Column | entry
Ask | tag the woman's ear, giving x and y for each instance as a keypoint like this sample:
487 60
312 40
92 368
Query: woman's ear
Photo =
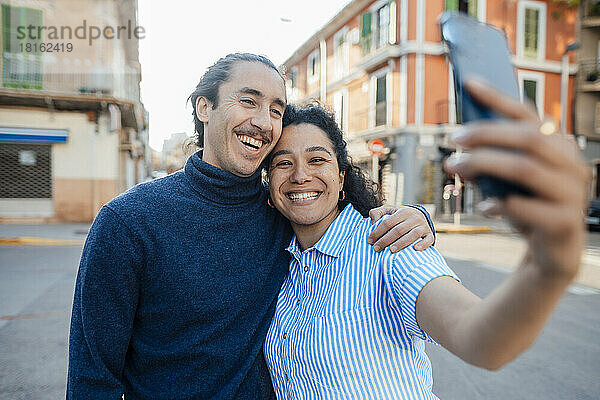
342 175
202 106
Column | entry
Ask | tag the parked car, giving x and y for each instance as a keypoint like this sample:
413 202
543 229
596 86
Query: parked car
592 218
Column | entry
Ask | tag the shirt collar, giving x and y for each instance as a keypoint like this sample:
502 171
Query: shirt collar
335 237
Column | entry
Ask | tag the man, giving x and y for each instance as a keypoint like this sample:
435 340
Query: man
179 277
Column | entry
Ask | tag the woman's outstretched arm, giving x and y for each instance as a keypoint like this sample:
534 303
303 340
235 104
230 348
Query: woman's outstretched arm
492 331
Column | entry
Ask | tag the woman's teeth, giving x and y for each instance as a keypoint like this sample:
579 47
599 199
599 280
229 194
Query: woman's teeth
303 196
248 141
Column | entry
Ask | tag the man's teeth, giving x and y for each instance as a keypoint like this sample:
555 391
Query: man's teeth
303 196
251 141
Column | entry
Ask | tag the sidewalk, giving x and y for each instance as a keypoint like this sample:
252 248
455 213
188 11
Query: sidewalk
43 234
471 224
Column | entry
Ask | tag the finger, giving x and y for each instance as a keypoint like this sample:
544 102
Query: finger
397 216
517 168
377 213
425 243
499 102
397 242
533 214
554 150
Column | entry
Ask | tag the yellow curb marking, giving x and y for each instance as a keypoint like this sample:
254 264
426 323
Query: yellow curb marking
462 229
35 241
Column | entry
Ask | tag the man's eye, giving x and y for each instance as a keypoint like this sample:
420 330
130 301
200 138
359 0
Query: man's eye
248 101
276 112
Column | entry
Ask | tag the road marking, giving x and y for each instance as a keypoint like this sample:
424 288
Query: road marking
582 290
32 316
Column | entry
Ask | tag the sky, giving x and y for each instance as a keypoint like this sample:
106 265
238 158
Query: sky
183 38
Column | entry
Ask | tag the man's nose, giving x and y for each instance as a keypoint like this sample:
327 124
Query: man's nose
262 120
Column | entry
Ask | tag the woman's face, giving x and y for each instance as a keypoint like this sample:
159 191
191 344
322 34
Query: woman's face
304 176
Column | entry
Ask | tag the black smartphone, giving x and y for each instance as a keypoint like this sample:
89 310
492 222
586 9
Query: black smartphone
480 50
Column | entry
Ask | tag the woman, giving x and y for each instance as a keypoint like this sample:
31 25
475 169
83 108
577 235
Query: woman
351 323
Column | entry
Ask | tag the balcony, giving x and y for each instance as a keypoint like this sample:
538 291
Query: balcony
32 72
591 15
588 77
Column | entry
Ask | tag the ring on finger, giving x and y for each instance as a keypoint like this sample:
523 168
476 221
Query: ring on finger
548 126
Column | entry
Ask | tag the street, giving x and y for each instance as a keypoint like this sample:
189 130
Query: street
564 362
36 286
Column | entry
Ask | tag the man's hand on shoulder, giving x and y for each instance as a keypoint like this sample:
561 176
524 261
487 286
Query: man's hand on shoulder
405 226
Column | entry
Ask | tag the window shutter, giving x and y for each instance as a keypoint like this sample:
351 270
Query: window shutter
452 5
366 24
392 33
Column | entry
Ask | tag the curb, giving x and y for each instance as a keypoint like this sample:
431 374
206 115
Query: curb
35 241
452 228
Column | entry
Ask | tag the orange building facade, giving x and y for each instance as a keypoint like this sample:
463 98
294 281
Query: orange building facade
381 67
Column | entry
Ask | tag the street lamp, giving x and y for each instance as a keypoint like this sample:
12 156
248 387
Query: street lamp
564 86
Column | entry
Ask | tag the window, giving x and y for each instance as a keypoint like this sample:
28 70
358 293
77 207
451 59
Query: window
381 101
531 30
312 67
292 84
366 37
341 53
531 86
340 108
466 6
378 26
293 77
383 26
20 68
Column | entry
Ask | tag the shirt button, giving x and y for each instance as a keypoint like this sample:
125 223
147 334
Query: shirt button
306 268
298 302
286 377
284 335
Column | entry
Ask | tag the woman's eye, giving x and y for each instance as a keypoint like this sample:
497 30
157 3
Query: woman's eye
317 160
282 164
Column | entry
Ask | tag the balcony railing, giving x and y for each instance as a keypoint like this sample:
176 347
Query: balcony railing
591 14
34 72
589 75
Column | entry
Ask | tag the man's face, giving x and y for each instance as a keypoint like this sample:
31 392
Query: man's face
246 123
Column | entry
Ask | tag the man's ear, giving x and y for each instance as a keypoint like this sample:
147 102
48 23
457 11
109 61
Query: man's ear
202 107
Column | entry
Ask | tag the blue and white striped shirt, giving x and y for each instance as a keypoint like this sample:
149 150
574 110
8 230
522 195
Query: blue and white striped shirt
345 324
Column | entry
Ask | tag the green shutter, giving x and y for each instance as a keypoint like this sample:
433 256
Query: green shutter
366 24
452 5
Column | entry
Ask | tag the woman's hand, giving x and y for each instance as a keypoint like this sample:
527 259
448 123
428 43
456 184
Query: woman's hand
550 166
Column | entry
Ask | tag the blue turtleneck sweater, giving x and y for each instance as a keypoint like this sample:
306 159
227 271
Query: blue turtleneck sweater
176 290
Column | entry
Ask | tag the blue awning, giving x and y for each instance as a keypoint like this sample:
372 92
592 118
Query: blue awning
33 135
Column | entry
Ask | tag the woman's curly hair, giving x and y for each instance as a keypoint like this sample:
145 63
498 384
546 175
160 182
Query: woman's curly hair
360 192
